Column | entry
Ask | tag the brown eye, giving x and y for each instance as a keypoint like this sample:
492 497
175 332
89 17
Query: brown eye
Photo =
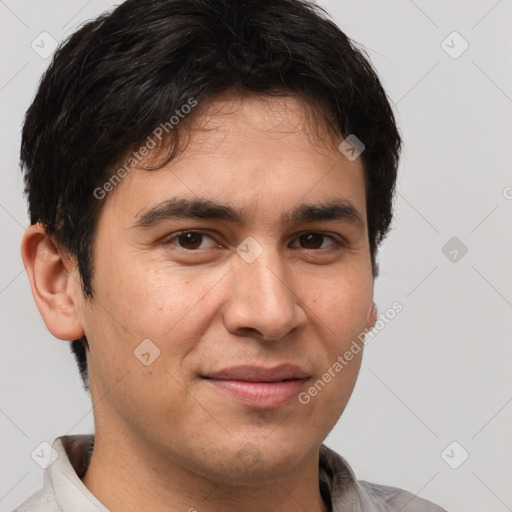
316 240
190 239
311 240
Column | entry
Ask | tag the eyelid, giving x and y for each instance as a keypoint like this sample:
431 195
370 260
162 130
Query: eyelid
169 239
339 241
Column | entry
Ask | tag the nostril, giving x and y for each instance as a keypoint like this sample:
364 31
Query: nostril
250 331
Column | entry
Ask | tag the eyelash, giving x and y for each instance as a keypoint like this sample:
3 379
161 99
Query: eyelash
338 243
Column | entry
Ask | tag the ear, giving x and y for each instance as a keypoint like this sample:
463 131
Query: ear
372 317
55 287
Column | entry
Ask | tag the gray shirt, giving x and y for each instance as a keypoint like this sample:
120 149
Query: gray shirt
63 489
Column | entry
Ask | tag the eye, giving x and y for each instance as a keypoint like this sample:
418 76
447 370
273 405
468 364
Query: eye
196 240
188 240
315 241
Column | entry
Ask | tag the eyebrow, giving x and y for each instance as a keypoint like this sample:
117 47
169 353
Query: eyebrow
181 208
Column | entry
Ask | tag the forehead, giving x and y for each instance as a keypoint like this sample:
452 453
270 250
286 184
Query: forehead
261 115
248 151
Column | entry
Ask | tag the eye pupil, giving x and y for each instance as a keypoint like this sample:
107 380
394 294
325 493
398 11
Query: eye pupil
190 238
312 239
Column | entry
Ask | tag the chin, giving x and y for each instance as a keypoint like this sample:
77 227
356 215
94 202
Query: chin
270 458
251 460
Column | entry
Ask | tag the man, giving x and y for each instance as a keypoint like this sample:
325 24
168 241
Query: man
208 184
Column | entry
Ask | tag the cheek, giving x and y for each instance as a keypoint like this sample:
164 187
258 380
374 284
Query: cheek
340 307
169 307
135 301
155 298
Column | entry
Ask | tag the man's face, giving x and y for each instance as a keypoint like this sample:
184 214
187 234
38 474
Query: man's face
267 289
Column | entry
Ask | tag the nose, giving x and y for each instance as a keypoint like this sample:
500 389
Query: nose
262 300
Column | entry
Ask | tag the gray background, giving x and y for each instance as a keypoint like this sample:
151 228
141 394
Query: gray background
440 371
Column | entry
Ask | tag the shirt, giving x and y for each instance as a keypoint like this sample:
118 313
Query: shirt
63 489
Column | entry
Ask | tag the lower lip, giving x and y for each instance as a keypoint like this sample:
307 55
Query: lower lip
262 395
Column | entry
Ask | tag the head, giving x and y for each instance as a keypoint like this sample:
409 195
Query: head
169 140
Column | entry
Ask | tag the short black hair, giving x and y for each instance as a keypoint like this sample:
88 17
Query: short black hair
116 79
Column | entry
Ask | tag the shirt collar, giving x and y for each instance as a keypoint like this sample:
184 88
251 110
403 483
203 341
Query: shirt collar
343 492
62 477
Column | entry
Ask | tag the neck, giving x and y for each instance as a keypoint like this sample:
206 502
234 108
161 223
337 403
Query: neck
125 474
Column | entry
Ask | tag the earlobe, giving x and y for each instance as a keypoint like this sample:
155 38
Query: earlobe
55 288
372 318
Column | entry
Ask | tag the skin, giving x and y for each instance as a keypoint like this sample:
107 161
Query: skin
181 443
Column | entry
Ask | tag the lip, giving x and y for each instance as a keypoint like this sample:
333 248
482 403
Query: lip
260 387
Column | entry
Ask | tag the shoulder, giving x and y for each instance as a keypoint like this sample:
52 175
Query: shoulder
40 501
391 499
349 493
62 486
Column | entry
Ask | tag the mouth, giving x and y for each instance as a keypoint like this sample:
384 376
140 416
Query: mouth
259 387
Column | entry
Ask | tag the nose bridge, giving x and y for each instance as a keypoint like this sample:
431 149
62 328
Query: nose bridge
269 275
263 297
266 273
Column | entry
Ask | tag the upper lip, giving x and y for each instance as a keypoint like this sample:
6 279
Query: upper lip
251 373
